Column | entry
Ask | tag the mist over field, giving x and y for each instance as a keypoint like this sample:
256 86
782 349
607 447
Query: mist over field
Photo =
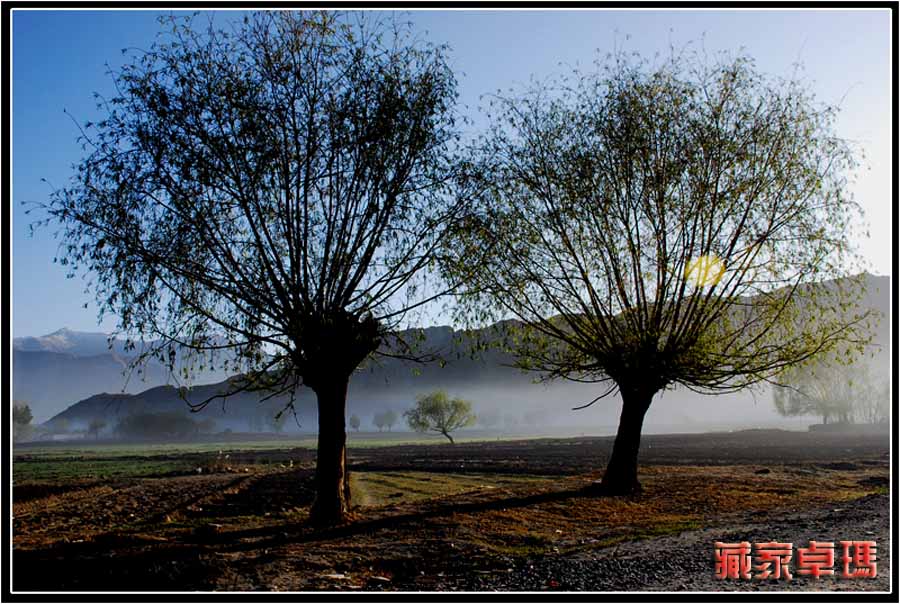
68 375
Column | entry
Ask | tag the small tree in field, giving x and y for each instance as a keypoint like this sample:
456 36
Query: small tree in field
95 427
354 422
436 412
275 189
21 413
277 421
379 421
21 416
684 223
390 418
60 426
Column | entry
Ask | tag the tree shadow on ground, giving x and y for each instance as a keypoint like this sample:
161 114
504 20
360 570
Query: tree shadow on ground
301 532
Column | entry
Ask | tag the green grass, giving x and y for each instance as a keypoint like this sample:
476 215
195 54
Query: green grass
524 546
380 488
106 450
77 461
661 529
75 450
100 469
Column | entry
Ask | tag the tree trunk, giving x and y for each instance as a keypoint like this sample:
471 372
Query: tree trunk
332 504
450 438
620 477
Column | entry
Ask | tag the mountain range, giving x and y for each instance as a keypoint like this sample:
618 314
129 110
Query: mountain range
78 376
54 371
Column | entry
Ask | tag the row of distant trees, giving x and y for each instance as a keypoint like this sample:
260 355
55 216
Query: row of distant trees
381 420
165 424
489 419
836 392
24 429
433 412
140 425
267 420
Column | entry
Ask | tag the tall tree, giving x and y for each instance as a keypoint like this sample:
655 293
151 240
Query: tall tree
661 225
274 189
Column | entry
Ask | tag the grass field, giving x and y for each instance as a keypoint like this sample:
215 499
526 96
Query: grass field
67 460
232 515
211 444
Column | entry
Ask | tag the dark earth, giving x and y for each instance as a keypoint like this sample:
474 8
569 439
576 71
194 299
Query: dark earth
493 515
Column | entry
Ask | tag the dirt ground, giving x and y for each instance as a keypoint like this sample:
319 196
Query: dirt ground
504 515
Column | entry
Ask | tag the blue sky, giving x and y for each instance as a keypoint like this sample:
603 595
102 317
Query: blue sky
59 61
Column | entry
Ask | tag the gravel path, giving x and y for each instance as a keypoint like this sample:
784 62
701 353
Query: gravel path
685 562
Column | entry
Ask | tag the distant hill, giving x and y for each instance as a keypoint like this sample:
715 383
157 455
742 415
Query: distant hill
54 371
391 383
381 383
51 381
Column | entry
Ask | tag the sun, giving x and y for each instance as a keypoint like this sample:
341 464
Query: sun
705 270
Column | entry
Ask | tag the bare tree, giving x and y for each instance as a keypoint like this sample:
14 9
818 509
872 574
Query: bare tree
273 189
662 225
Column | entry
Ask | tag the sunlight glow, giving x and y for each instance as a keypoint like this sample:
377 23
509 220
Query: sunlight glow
705 270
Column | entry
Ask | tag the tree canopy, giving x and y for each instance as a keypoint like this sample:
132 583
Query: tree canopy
653 225
255 189
384 419
21 413
270 195
437 412
21 416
